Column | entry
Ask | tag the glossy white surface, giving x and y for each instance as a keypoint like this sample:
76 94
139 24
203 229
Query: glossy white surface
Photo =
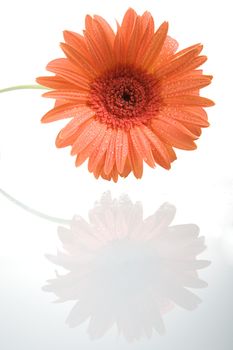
32 170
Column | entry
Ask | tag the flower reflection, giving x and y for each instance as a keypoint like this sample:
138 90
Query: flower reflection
127 271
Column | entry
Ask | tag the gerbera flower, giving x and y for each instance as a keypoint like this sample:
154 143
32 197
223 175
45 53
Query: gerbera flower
125 270
131 97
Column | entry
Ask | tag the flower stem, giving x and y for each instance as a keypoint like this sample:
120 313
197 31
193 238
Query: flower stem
33 211
23 87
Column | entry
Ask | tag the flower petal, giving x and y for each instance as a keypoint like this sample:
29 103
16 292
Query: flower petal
142 145
110 154
183 85
119 48
155 47
79 61
127 25
192 115
70 95
172 135
171 152
121 149
54 82
147 22
176 124
106 37
188 100
74 124
70 137
194 129
88 136
169 48
64 111
98 170
134 41
127 169
159 150
99 45
135 160
63 68
181 63
106 28
144 42
100 151
77 42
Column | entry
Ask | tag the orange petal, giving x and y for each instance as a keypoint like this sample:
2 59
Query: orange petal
127 25
68 95
198 46
197 61
114 174
95 53
119 48
67 110
194 73
106 27
68 137
77 42
110 154
134 41
100 151
74 124
144 43
195 115
178 125
180 64
154 49
99 45
142 146
127 169
80 61
174 136
184 84
135 160
63 68
88 136
194 129
54 82
104 176
148 22
169 48
105 40
159 150
59 103
171 152
188 100
121 149
98 170
90 149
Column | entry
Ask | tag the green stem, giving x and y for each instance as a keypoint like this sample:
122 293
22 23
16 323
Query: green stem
33 211
23 87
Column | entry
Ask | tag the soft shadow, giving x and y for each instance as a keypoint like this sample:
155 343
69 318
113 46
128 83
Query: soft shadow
125 270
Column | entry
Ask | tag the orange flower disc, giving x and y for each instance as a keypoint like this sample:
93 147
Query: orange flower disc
131 96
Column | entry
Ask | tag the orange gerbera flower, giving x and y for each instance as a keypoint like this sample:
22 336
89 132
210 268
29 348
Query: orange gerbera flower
131 97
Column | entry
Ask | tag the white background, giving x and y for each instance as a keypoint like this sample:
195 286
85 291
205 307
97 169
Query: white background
34 171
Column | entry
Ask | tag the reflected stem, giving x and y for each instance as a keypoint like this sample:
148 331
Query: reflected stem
33 211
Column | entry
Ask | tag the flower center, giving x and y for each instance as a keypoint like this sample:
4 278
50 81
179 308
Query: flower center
124 97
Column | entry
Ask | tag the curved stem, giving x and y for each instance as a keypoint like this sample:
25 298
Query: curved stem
33 211
23 87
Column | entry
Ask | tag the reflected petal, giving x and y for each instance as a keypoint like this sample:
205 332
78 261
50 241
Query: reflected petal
126 270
